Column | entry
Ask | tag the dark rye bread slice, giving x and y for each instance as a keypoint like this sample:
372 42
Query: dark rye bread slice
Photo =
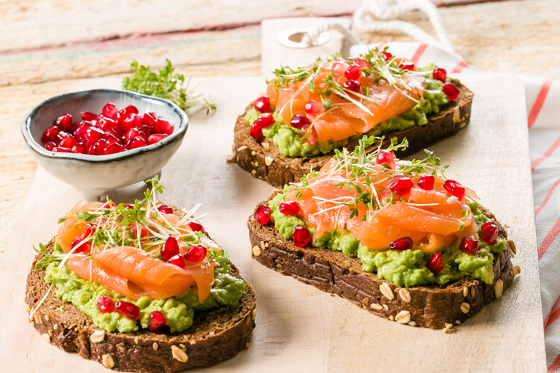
212 338
433 307
264 161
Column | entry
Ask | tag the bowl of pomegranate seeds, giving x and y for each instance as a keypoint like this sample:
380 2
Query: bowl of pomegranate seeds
104 139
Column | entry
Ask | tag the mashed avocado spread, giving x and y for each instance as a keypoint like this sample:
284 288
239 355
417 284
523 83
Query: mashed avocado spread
179 311
403 268
290 144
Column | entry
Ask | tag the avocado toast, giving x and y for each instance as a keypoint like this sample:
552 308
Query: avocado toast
139 287
394 237
309 112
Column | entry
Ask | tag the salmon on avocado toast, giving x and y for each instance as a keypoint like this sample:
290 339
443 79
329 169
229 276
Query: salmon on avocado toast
309 112
122 279
423 250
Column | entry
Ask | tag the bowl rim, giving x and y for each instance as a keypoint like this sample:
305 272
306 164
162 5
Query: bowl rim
40 150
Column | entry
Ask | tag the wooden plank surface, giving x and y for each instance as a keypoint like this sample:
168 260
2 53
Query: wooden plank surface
298 327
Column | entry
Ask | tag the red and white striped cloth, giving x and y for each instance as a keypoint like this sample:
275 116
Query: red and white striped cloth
543 120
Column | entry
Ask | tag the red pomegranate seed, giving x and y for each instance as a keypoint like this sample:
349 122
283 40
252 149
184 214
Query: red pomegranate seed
435 263
60 149
110 110
134 231
67 142
401 244
196 254
255 131
301 236
313 108
469 245
80 132
111 139
87 116
385 197
454 188
128 310
177 260
489 232
386 157
440 74
113 148
86 247
264 121
426 182
156 138
163 126
105 304
97 148
361 62
49 145
63 122
105 123
386 56
164 209
50 134
352 85
354 72
61 135
134 132
156 321
132 121
130 109
93 134
149 119
339 69
196 226
262 214
262 104
298 121
80 148
289 208
401 186
170 248
450 91
407 66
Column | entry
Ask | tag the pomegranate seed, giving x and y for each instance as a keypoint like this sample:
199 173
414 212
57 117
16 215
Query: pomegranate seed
156 321
61 135
164 209
49 145
87 116
264 121
50 134
298 121
128 310
134 231
134 132
110 110
352 85
68 142
385 197
426 182
489 232
60 149
80 148
401 244
262 104
196 254
407 66
435 263
454 188
130 109
111 139
354 72
361 62
105 123
255 131
289 208
86 247
301 236
156 138
114 148
386 157
339 69
105 304
149 119
97 148
132 121
63 122
450 91
401 186
440 74
163 126
130 206
195 226
386 56
80 132
93 134
262 214
313 108
170 249
469 245
177 260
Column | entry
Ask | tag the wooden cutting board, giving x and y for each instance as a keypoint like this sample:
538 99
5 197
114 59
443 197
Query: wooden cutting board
300 328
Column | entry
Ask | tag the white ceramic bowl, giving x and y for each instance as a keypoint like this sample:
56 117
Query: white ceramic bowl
94 175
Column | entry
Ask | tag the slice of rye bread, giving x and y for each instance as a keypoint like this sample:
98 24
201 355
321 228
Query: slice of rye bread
433 307
214 336
263 159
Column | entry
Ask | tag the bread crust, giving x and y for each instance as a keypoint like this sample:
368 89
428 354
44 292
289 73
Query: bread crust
212 338
433 307
266 163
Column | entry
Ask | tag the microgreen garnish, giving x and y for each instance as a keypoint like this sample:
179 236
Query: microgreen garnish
166 84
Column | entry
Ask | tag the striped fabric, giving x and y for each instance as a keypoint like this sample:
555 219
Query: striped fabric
543 121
